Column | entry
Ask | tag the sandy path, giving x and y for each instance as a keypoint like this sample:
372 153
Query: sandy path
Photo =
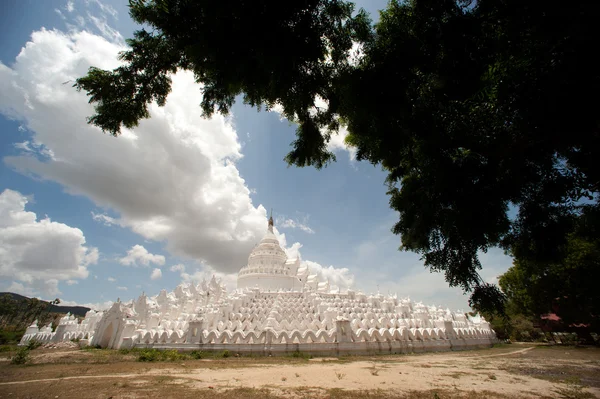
425 372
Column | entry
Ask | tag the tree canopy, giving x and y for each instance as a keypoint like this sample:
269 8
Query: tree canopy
567 285
474 109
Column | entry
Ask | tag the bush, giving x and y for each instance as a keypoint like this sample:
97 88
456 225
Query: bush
33 344
172 355
21 357
523 330
155 355
11 337
8 348
196 354
301 355
148 355
226 353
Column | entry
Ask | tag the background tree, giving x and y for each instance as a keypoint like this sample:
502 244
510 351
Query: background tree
473 108
566 286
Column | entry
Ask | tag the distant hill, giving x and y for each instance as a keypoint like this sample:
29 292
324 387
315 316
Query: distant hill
74 310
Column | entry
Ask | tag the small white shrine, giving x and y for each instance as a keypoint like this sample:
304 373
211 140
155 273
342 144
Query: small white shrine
278 307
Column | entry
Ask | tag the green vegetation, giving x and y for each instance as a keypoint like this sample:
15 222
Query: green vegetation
18 312
152 355
301 355
160 355
22 356
10 337
565 287
33 344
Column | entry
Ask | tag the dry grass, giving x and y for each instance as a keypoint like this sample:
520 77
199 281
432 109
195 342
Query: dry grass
124 377
559 363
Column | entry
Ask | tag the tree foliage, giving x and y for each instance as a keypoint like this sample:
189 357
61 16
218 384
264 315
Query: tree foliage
17 313
473 108
566 286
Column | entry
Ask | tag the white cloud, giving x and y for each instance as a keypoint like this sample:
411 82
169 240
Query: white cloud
122 288
104 219
379 266
70 7
294 224
112 279
340 277
19 288
93 305
177 268
106 30
172 179
156 274
41 253
138 255
338 143
72 282
60 14
206 273
104 8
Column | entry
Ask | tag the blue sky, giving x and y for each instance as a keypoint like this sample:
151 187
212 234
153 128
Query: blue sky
89 218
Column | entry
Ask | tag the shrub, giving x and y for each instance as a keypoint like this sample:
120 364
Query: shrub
148 355
196 354
155 355
226 353
10 337
172 355
301 355
21 357
33 344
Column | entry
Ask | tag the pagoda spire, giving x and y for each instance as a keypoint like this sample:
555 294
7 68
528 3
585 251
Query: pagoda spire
271 221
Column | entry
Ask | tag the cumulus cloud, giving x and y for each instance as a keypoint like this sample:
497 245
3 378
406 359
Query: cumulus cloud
20 288
138 255
172 179
92 305
156 274
177 268
294 224
39 253
340 277
206 273
104 219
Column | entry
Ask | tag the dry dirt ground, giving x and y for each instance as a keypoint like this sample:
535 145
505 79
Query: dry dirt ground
510 371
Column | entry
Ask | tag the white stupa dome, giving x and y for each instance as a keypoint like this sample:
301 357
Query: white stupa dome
268 267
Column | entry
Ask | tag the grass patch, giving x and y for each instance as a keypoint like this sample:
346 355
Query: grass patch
301 355
9 348
155 355
573 390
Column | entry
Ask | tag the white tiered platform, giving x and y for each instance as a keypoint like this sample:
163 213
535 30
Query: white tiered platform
278 307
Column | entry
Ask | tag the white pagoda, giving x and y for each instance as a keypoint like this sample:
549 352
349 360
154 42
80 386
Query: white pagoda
279 306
